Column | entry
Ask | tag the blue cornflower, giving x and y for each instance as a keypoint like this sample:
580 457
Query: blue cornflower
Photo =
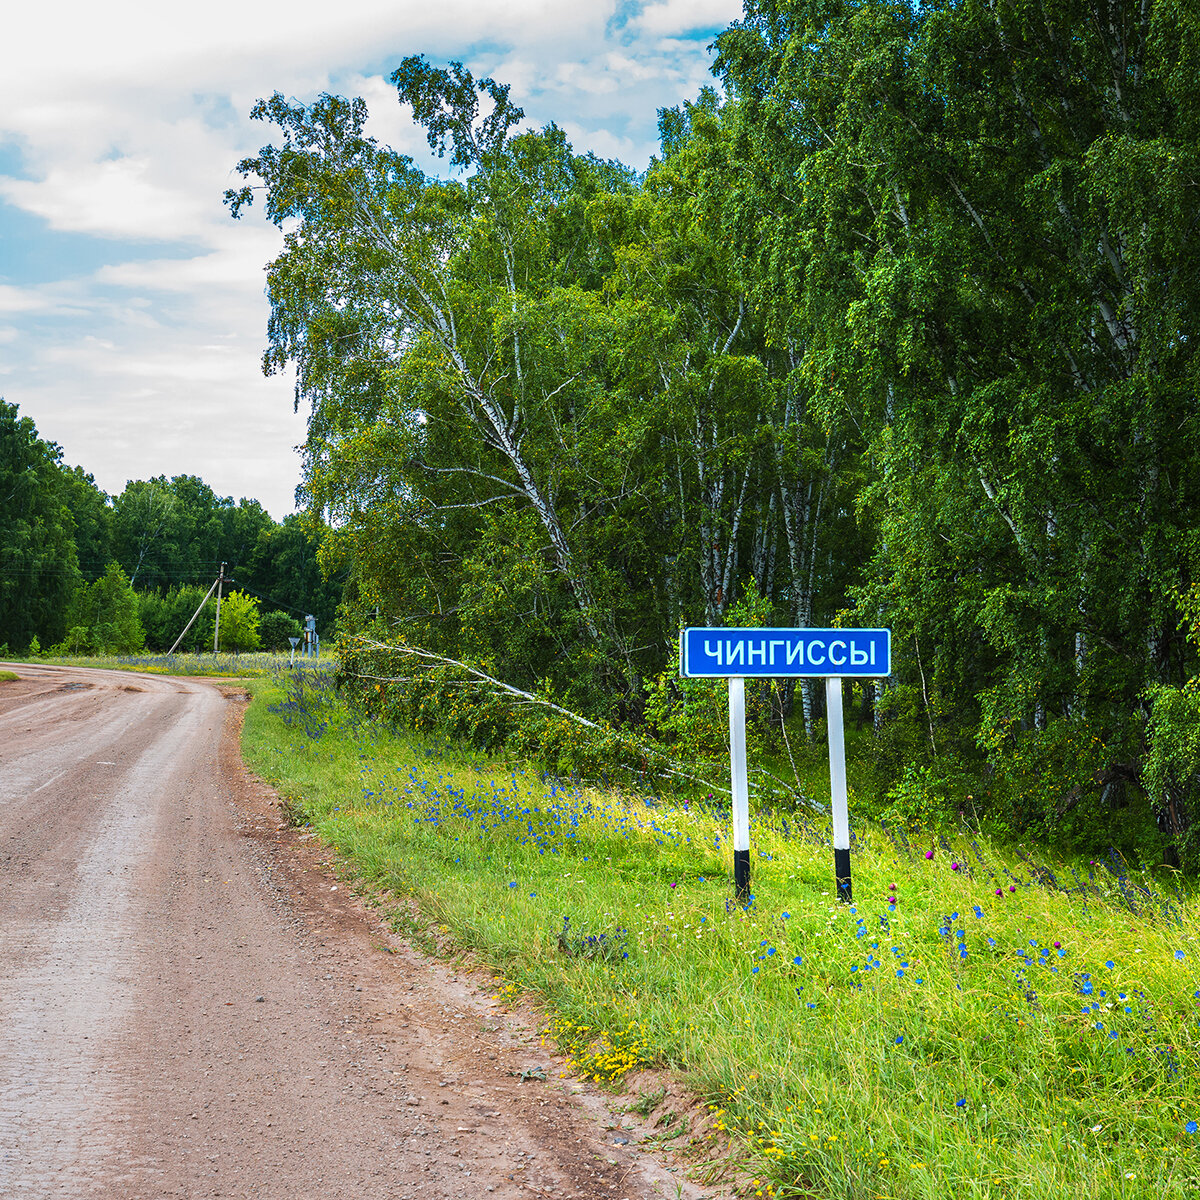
960 1103
1191 1127
798 960
1179 954
1109 964
513 884
900 1039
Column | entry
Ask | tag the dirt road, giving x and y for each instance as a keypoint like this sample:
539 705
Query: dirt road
193 1005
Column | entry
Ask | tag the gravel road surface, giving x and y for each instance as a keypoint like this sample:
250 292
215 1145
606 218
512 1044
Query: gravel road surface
193 1004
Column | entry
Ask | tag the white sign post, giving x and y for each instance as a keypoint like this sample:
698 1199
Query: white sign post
830 654
740 785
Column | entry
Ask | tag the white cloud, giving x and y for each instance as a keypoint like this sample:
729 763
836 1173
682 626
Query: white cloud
116 199
130 117
674 17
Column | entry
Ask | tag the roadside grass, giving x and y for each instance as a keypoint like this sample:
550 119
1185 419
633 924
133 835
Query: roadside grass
9 677
223 664
976 1024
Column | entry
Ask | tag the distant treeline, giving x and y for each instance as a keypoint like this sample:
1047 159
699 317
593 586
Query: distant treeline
69 552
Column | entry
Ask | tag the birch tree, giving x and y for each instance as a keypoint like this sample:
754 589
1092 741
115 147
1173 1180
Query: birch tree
439 329
980 217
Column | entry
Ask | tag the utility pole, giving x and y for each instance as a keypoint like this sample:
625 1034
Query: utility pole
217 626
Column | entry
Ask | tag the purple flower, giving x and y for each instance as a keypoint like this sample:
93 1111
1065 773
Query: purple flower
954 866
928 853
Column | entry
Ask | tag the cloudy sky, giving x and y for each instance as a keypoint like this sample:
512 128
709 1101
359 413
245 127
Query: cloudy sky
132 313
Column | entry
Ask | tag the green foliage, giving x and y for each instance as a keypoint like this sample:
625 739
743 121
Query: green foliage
275 628
239 622
38 564
386 685
902 328
165 615
1172 771
103 617
692 715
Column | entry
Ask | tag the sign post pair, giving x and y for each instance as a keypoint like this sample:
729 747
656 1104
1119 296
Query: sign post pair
829 654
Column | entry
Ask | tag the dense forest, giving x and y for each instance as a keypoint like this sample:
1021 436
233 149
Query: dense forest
86 572
898 329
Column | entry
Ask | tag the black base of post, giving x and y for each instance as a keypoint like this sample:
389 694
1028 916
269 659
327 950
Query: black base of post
841 871
741 875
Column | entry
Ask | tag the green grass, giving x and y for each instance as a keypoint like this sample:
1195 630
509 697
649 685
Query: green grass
8 677
223 664
855 1050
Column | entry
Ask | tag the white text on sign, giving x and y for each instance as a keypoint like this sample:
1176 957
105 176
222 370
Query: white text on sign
713 653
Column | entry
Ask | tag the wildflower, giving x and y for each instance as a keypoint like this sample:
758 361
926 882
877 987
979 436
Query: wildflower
960 1103
1191 1127
1179 954
954 866
928 853
900 1040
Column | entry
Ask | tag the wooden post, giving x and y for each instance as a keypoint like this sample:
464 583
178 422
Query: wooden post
217 626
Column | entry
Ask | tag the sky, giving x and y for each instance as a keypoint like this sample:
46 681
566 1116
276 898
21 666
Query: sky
132 311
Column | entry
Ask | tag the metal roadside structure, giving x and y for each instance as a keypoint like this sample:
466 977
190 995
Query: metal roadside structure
738 654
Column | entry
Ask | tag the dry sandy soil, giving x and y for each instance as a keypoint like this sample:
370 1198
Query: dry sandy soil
194 1004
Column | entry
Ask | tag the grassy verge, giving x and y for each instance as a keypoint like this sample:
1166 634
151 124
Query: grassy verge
976 1024
222 665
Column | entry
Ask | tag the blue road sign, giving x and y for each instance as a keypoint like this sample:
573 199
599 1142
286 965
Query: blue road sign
778 653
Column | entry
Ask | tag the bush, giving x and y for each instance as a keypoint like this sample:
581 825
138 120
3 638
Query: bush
274 630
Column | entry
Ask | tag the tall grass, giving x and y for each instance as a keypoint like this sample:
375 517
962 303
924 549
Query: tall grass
223 664
977 1023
